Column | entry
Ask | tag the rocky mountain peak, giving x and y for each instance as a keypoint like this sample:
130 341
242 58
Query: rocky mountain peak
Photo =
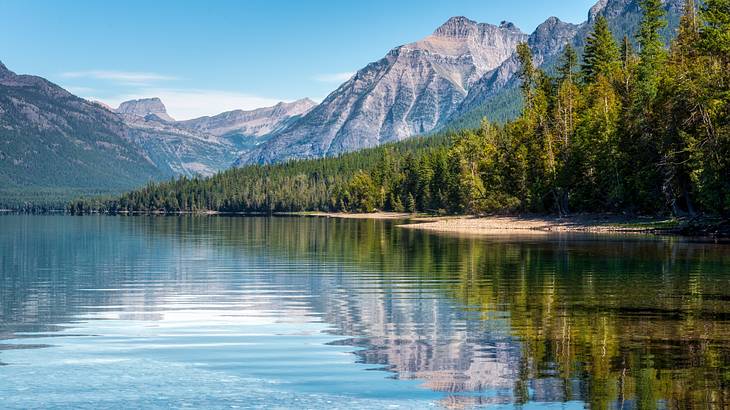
551 36
4 72
551 21
457 27
144 107
297 107
508 25
596 9
410 91
461 28
461 49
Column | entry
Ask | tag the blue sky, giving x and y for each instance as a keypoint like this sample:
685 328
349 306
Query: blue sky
204 57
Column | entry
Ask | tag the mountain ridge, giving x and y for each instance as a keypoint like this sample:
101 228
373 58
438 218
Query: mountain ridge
51 139
250 122
385 101
205 145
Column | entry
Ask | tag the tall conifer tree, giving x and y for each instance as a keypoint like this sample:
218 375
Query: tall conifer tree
601 52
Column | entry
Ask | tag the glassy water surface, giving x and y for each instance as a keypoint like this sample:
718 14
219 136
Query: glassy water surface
215 312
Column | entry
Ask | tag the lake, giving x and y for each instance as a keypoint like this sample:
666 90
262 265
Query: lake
296 312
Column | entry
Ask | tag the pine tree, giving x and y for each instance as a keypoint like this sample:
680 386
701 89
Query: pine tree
627 52
411 203
652 53
567 104
714 45
715 34
527 74
628 67
568 63
566 93
601 53
677 100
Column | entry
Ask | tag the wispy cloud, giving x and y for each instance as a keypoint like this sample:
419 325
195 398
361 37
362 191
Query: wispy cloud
128 77
79 90
334 77
191 103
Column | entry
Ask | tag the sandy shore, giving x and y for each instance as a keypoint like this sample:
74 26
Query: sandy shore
512 225
533 225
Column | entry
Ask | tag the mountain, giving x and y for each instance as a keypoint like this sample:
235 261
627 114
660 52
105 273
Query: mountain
497 97
246 129
144 107
546 42
206 145
624 17
461 73
55 146
410 91
53 140
174 149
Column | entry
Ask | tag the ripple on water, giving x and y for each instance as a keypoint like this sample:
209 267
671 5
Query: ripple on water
318 313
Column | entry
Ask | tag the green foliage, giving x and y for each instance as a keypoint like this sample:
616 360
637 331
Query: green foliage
715 36
568 62
527 73
363 194
652 53
601 54
646 134
500 108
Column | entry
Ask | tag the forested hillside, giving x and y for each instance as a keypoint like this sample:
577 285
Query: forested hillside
642 131
55 146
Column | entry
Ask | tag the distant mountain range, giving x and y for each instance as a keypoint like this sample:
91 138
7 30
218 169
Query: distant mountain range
206 145
61 145
254 125
462 72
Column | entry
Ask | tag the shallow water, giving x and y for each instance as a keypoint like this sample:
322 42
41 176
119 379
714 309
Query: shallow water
216 312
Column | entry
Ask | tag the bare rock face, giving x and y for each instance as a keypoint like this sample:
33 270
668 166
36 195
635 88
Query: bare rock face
596 9
624 17
176 150
4 72
143 107
410 91
254 123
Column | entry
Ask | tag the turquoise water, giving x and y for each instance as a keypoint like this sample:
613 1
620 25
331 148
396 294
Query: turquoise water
216 312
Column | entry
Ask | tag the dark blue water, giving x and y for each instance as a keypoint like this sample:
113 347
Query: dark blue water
214 312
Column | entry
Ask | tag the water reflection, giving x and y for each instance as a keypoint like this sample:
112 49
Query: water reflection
609 322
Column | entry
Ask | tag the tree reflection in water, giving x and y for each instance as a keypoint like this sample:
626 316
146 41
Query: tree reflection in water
616 322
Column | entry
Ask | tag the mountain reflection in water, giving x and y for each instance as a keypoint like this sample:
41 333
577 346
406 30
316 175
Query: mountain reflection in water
602 321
